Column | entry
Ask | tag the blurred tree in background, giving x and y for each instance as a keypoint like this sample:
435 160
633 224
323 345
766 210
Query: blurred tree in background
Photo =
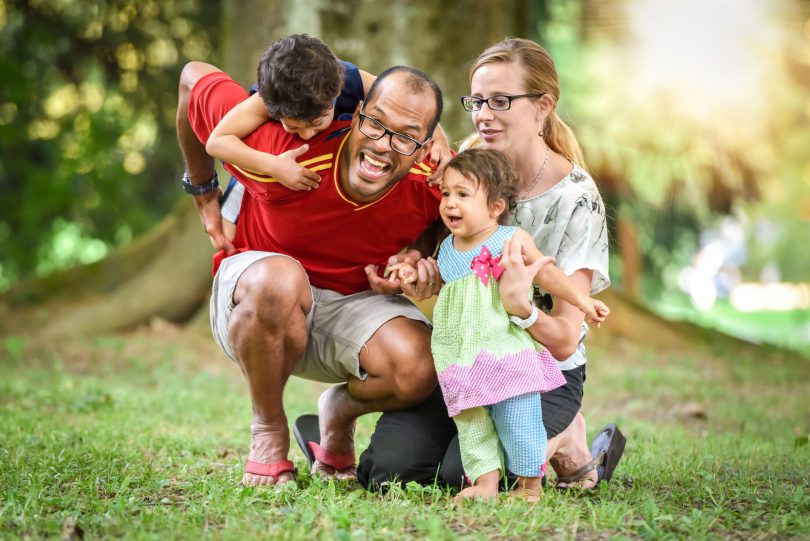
87 110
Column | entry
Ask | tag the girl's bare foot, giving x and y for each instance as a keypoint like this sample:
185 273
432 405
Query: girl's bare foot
485 487
529 489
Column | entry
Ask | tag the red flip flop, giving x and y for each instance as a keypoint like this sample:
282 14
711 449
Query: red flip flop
308 436
337 461
270 470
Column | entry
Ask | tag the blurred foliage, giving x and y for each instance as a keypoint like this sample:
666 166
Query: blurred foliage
87 108
672 160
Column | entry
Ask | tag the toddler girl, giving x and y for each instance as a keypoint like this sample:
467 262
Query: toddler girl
490 369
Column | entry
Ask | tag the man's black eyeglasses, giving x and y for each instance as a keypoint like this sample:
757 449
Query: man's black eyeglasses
374 129
496 103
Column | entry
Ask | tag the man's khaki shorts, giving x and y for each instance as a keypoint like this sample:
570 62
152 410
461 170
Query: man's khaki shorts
339 325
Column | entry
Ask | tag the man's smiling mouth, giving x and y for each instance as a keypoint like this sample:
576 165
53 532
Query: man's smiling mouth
373 167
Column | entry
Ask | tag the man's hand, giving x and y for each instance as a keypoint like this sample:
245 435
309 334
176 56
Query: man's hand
406 273
426 282
209 210
291 174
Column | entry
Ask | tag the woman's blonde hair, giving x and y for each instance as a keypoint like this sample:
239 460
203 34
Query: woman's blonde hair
541 78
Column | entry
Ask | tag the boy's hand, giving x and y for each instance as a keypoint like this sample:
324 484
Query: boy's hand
440 155
595 311
291 174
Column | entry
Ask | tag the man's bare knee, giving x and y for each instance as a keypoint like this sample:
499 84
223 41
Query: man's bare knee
193 72
273 287
272 300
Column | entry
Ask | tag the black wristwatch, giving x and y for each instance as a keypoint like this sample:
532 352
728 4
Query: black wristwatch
200 189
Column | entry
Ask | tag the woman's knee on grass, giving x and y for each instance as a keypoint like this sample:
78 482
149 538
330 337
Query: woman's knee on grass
414 375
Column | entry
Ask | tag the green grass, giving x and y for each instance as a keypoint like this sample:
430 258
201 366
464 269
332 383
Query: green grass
787 329
145 437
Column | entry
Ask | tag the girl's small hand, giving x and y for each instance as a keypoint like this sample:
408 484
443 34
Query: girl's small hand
428 281
404 271
379 284
595 311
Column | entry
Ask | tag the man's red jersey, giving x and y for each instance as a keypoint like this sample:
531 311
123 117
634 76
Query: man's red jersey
331 235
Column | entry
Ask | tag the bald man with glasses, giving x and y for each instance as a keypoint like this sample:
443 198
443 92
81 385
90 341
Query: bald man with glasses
303 293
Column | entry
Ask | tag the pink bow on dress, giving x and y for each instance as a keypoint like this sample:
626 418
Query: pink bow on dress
483 263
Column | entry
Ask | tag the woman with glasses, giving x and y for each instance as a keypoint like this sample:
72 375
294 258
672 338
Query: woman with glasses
514 93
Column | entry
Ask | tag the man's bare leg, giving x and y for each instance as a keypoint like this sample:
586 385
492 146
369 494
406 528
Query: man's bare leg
268 333
400 372
568 451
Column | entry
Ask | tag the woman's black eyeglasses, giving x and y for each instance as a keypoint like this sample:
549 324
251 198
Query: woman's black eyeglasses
496 103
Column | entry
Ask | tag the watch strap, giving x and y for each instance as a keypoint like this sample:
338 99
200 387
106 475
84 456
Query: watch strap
199 189
529 321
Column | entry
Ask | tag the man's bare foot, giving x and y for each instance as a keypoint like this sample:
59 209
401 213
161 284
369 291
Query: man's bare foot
571 454
485 487
337 431
269 445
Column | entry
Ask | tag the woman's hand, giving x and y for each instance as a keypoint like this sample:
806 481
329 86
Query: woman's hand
516 280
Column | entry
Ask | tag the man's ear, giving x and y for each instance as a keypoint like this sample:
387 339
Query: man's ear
357 110
497 208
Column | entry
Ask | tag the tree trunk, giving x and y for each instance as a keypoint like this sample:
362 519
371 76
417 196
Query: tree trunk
165 273
629 255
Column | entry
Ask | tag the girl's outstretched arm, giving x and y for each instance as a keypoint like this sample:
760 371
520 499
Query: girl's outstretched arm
553 280
559 331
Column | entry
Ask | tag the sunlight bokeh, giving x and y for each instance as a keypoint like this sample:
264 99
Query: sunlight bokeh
712 64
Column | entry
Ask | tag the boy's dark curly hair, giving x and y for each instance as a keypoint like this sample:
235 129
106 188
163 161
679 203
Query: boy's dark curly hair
492 171
299 77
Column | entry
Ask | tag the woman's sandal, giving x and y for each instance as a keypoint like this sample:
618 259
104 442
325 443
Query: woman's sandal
606 449
527 495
